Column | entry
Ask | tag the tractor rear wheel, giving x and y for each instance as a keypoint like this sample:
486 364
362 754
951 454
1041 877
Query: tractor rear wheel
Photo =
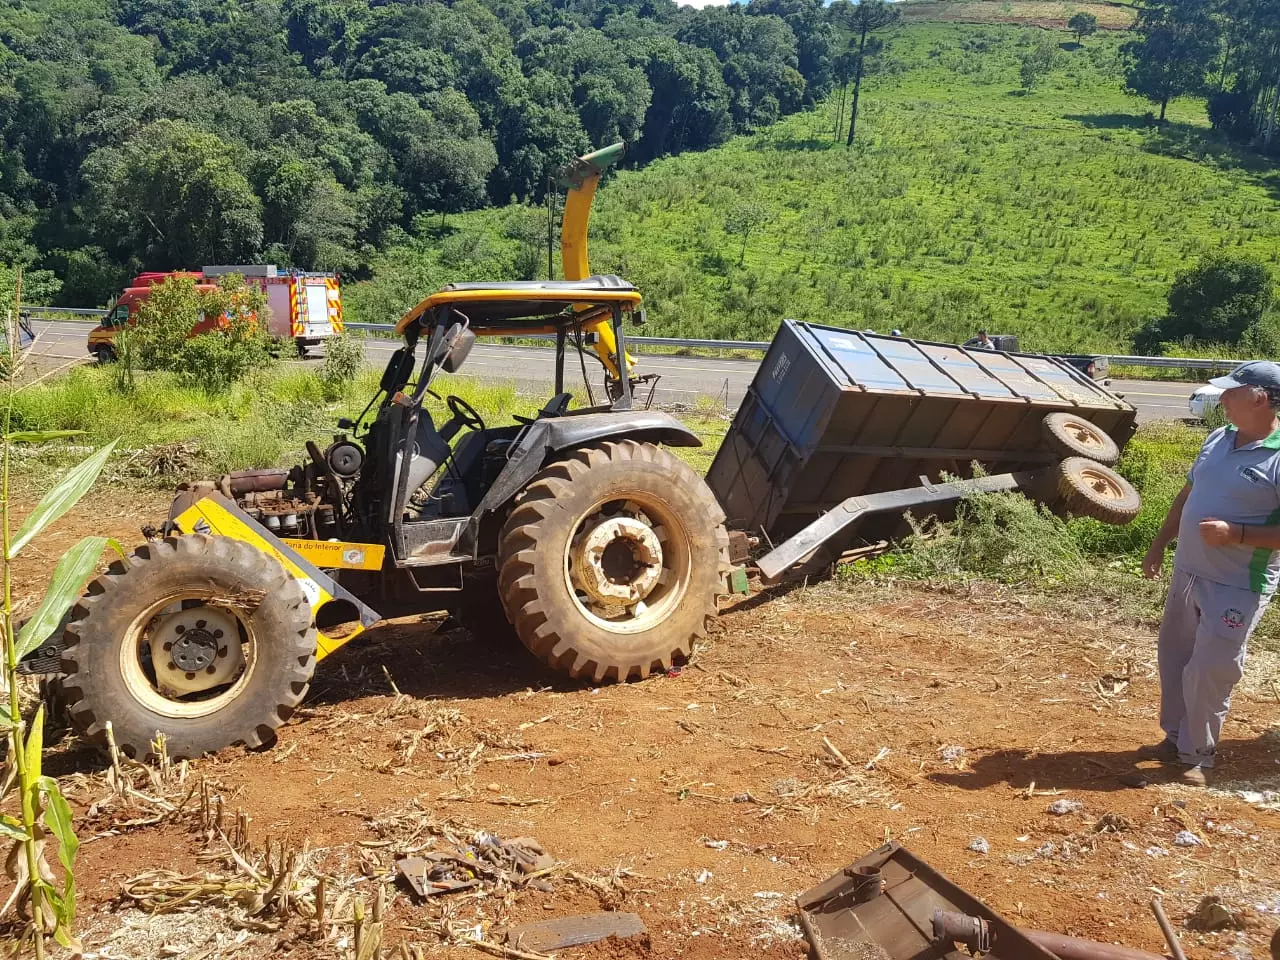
610 563
204 639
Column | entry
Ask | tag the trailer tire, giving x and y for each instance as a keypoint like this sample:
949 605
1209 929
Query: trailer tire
1087 488
592 533
1068 435
108 664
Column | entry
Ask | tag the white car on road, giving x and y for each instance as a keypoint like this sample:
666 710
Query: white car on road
1204 399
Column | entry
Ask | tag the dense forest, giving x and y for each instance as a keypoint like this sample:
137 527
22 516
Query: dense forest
152 134
311 133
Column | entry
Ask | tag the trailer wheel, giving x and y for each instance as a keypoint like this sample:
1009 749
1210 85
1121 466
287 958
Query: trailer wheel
205 639
1068 435
1087 488
609 565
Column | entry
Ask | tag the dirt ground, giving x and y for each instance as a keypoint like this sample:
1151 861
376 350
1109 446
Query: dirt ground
813 726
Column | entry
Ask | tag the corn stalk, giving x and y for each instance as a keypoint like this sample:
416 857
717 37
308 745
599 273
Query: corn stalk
43 812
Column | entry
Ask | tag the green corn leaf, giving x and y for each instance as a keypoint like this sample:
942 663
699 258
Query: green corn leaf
68 580
35 746
62 916
61 498
12 828
50 897
57 817
41 436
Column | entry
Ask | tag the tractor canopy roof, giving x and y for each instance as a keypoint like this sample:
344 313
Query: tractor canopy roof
519 307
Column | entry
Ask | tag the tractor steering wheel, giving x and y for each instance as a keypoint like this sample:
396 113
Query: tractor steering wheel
464 413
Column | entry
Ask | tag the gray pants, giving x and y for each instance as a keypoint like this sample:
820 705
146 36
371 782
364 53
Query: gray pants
1203 637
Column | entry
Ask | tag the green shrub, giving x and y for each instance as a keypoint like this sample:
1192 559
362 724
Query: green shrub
1216 301
215 359
343 360
1000 536
1006 537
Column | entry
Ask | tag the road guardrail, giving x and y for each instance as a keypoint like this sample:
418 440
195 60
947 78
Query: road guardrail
74 311
1175 363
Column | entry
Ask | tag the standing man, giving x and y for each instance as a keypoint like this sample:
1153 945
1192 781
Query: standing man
1226 567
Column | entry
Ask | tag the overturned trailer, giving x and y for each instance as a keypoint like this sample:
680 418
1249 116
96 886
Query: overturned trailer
842 432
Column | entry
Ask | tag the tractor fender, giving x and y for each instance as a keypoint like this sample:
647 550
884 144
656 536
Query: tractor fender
552 435
653 425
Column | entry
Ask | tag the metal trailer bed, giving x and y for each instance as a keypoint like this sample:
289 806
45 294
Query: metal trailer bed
840 432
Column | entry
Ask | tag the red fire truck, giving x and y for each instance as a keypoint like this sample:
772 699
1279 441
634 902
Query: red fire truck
303 307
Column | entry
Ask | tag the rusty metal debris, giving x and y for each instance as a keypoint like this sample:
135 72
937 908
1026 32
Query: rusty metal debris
891 905
895 921
520 861
574 931
432 875
1074 948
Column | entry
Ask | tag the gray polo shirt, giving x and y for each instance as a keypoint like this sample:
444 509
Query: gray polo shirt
1240 485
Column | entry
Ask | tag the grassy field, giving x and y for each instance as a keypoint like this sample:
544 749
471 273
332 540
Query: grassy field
1057 214
169 432
1111 16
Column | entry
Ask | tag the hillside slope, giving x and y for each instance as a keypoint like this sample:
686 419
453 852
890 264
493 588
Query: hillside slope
1057 215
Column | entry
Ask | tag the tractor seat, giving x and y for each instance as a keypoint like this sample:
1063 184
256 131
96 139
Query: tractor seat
557 406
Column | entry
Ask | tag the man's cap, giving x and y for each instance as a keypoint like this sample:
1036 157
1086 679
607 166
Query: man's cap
1258 373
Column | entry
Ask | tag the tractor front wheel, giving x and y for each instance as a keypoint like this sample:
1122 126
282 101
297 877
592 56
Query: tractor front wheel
204 639
610 564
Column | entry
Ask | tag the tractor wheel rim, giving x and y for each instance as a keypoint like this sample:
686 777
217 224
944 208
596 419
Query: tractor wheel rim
1102 484
628 563
184 659
1084 434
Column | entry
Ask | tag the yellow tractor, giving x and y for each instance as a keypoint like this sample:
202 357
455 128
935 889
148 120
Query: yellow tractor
605 551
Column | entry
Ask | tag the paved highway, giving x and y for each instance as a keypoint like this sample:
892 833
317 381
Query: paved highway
684 379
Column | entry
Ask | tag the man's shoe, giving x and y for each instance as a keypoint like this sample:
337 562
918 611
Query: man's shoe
1166 751
1194 777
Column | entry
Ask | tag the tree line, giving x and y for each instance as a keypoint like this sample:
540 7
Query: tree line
158 134
1225 50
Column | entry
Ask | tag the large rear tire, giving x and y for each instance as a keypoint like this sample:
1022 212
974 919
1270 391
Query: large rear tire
610 564
205 639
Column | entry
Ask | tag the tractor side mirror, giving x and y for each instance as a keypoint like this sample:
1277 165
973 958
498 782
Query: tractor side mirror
397 372
459 347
